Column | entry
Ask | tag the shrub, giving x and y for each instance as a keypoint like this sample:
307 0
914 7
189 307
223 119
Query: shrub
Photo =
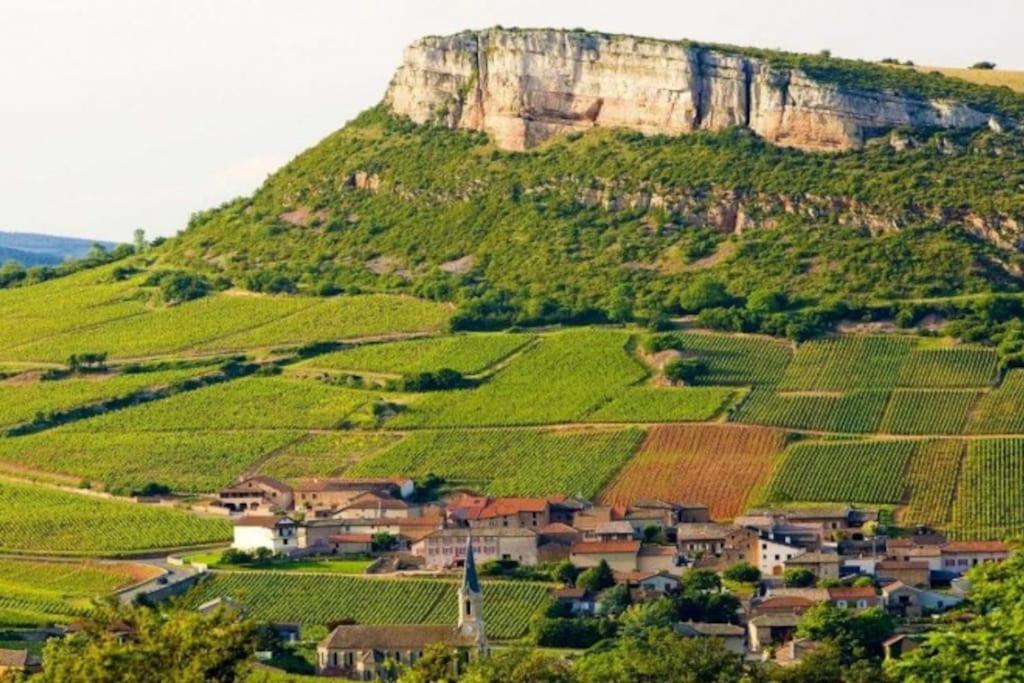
983 65
744 572
704 292
685 370
596 579
798 578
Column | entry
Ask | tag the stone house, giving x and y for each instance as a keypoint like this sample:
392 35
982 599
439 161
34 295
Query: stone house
621 556
446 547
256 494
732 636
657 558
912 573
959 556
822 565
276 534
909 601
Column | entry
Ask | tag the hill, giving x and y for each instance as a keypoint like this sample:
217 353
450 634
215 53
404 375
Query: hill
32 249
997 77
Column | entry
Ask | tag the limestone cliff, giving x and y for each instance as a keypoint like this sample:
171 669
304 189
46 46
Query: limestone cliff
524 86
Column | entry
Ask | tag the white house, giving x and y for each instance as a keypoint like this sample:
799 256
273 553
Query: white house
772 556
277 534
959 556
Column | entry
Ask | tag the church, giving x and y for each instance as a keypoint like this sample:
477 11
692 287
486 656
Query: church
370 652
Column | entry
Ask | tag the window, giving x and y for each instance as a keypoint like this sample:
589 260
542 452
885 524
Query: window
862 604
776 558
841 603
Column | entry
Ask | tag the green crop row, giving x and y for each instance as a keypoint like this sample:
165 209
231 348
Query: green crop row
854 412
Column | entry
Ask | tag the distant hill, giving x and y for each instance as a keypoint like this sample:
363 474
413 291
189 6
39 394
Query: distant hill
33 249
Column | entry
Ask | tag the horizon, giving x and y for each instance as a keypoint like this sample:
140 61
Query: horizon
179 108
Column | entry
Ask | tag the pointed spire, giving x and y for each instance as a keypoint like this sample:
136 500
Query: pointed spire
469 578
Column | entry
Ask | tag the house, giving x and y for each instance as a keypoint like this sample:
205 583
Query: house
315 534
558 532
959 556
374 505
771 629
900 644
732 636
445 547
579 600
912 573
351 544
619 530
696 539
912 550
13 662
773 554
908 601
855 598
621 556
657 558
782 604
256 493
479 512
660 582
822 565
276 534
368 652
564 510
795 651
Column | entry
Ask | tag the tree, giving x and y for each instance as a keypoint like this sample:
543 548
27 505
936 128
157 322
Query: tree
851 632
743 572
140 241
767 300
565 572
614 601
685 370
596 579
181 646
383 541
439 664
704 292
639 618
798 578
654 534
985 65
701 580
518 665
661 655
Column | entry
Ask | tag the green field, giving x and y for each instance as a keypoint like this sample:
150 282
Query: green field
324 454
990 500
195 462
965 366
1001 411
932 478
58 522
852 472
22 401
228 321
318 599
739 360
847 362
854 412
510 462
248 403
560 379
37 593
926 411
663 404
467 353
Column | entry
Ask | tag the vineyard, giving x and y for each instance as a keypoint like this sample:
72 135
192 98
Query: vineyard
319 599
249 403
963 366
58 522
324 454
193 462
558 380
721 465
509 462
924 411
21 400
847 363
1001 411
990 503
739 361
855 412
842 472
932 479
664 404
467 353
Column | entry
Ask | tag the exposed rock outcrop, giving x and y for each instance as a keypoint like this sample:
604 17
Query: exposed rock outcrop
524 86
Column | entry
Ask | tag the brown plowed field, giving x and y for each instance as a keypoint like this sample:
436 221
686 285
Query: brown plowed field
718 465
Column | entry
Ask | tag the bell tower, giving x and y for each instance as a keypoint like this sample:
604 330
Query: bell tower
471 601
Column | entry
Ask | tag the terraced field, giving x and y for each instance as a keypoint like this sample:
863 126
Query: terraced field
315 600
467 353
509 462
57 522
722 465
853 412
913 411
1001 411
22 399
559 380
249 403
189 461
847 363
325 454
933 476
990 500
960 366
842 472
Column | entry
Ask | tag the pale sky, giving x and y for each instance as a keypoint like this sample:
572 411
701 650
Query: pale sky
118 114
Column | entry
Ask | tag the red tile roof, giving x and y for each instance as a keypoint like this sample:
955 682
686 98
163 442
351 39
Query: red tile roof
600 547
784 602
351 538
501 507
852 593
652 550
557 528
975 547
265 521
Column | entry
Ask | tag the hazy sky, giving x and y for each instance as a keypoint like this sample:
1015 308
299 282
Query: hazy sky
119 114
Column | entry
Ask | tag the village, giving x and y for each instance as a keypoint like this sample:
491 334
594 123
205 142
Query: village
778 562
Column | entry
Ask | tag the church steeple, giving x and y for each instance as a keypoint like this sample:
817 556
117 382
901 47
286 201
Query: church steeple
471 600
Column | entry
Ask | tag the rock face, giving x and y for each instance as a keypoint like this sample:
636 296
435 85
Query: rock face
524 86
